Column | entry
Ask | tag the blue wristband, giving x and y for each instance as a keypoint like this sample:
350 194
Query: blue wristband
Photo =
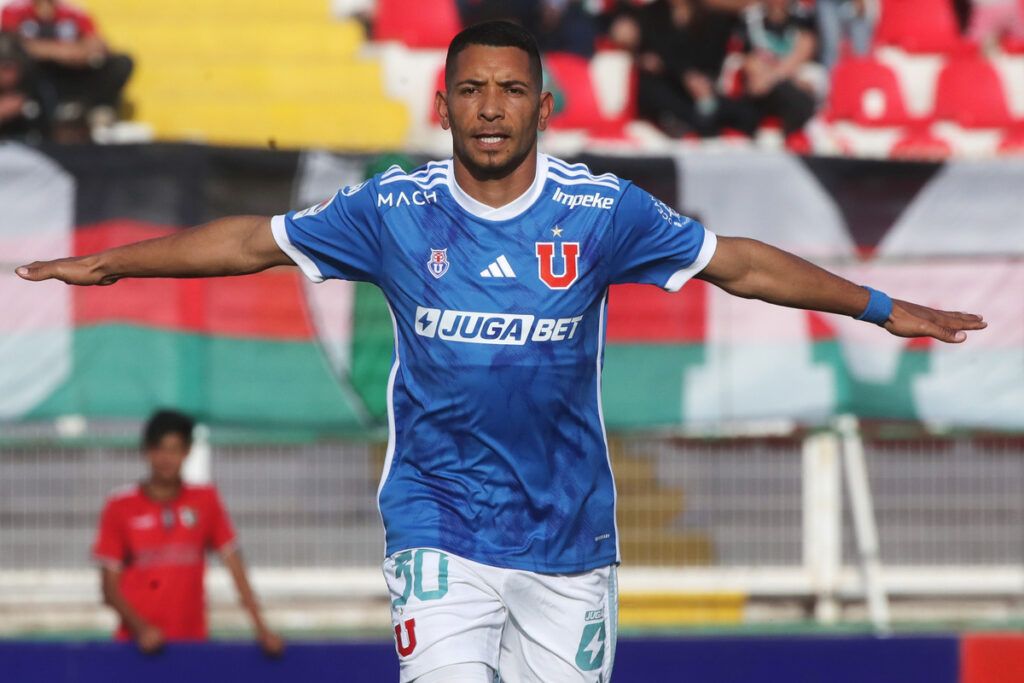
879 307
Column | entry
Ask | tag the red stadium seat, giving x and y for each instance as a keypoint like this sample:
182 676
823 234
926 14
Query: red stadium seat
420 24
571 76
919 144
918 25
1012 143
970 93
866 92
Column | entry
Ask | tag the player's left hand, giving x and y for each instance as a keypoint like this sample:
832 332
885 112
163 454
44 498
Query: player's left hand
913 320
271 643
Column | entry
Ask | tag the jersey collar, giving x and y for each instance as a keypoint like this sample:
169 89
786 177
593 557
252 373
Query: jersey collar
510 210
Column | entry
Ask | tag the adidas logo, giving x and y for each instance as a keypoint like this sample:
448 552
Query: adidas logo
500 268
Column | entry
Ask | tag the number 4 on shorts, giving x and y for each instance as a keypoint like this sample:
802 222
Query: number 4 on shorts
591 652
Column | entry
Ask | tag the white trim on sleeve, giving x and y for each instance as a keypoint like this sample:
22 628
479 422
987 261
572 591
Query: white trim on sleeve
309 269
707 250
107 562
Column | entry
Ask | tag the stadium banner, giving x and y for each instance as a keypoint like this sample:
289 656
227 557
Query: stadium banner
274 350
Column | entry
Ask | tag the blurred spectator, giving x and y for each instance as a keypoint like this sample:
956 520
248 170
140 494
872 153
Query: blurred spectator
992 20
71 57
845 18
782 77
567 26
151 545
24 108
679 48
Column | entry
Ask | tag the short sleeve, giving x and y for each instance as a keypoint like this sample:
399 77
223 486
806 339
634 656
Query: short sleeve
110 548
338 238
653 244
221 532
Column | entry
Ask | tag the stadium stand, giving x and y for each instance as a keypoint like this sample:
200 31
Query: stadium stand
258 72
254 73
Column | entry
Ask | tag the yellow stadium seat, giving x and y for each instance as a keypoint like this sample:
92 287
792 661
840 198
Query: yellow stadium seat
252 72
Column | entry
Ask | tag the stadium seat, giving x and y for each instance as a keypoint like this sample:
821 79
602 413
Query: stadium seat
918 143
918 25
1012 143
570 74
254 73
420 24
866 92
970 93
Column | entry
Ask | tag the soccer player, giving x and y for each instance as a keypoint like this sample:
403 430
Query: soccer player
497 493
151 544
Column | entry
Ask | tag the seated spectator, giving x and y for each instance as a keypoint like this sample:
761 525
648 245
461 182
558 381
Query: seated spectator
845 18
24 108
782 78
992 20
71 57
679 47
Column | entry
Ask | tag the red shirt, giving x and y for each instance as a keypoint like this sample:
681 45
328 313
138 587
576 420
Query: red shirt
160 549
68 23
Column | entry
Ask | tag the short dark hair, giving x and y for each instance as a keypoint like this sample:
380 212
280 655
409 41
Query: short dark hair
164 422
495 34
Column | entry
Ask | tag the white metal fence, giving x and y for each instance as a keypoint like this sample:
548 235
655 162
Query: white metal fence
747 514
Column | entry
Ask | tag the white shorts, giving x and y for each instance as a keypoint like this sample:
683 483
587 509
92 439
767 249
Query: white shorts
528 627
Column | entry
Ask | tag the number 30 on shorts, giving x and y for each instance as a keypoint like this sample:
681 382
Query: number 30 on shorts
409 566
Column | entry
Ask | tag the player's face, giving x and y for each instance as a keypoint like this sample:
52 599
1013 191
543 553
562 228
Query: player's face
167 457
494 109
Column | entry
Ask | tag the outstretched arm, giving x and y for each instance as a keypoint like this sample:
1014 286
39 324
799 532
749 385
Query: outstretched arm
237 245
271 643
754 270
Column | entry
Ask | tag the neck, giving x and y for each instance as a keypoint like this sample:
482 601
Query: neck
162 490
494 190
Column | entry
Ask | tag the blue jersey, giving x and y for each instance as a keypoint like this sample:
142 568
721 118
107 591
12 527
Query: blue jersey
497 450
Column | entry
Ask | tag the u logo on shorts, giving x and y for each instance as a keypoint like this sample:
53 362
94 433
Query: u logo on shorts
410 628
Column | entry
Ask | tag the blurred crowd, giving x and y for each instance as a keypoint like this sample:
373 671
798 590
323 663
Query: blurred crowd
58 78
708 66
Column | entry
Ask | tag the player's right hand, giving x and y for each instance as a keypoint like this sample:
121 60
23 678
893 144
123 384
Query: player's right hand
79 270
150 639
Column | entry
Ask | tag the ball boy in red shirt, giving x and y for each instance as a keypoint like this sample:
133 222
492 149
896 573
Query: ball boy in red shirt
151 546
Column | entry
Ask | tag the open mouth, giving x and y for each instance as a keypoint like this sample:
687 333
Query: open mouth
491 139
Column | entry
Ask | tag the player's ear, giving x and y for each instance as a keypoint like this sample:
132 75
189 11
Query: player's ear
441 107
547 106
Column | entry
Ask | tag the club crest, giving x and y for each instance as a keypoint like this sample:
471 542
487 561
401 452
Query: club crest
438 263
187 516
